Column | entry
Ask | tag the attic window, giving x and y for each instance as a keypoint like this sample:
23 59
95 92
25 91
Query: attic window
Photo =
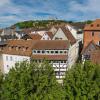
92 33
26 48
98 25
19 47
91 25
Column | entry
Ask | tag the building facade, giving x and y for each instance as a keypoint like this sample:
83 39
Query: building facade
61 54
92 33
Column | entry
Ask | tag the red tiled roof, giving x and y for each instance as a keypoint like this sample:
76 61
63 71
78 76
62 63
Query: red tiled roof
51 44
50 34
95 25
25 47
69 35
15 47
50 57
35 36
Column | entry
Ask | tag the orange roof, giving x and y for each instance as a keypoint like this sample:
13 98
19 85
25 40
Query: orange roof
35 36
69 35
51 45
25 47
95 25
50 34
50 57
18 47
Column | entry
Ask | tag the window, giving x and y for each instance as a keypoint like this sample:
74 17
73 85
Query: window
61 52
38 51
7 66
43 51
65 52
11 59
26 48
52 51
56 38
19 47
61 61
56 51
64 61
98 25
7 58
91 25
34 51
92 33
47 51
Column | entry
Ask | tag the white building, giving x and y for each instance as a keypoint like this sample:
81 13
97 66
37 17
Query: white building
77 33
9 61
15 51
62 54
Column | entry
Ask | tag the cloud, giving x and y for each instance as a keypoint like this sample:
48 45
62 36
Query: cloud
12 11
89 10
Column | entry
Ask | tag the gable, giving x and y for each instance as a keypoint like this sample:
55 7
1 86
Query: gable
91 47
60 35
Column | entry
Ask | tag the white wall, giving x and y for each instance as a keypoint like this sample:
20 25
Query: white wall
60 34
72 30
10 60
74 33
73 54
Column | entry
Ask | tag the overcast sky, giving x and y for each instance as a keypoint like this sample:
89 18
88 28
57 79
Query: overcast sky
12 11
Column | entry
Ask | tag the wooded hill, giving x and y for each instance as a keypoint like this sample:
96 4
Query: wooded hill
45 24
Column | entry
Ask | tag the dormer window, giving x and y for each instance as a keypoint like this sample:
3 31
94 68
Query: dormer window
98 25
91 25
19 47
92 33
26 48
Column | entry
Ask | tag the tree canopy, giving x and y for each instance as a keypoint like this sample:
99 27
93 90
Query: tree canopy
82 82
31 82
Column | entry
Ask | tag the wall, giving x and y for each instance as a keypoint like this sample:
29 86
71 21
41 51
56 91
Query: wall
60 34
88 37
73 54
10 62
72 30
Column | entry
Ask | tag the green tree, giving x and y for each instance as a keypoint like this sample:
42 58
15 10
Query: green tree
31 82
82 82
1 83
